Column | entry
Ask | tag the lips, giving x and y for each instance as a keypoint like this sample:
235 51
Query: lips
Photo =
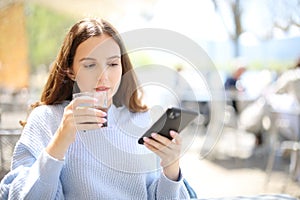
101 88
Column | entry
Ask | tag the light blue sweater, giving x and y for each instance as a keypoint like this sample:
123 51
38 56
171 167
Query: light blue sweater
106 163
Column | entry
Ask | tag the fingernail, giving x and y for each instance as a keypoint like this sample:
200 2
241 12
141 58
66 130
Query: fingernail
154 135
146 139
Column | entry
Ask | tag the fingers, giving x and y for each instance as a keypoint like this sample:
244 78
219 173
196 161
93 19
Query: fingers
168 150
176 137
84 101
155 143
90 120
80 127
158 142
165 141
85 116
86 111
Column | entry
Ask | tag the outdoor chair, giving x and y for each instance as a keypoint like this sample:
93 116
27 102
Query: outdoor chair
284 139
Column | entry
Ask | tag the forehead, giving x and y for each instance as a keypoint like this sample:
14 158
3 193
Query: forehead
103 46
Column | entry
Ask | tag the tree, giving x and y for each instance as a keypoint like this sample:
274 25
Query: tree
280 14
236 12
286 14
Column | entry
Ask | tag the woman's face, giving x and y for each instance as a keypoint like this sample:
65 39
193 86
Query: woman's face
97 65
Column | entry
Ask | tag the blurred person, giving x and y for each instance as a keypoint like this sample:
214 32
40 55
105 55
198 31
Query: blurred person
232 81
282 95
51 161
233 86
287 88
289 82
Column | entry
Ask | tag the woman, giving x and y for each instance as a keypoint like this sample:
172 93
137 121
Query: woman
65 153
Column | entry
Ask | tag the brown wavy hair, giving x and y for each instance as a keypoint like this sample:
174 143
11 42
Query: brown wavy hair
59 86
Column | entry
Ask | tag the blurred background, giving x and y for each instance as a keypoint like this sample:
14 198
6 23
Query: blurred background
251 43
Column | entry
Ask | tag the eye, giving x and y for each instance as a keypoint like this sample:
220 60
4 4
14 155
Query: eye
89 65
113 64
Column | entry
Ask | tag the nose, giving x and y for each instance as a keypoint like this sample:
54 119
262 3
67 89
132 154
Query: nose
103 74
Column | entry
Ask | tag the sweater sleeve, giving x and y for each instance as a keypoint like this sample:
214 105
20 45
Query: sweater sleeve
166 189
34 173
38 181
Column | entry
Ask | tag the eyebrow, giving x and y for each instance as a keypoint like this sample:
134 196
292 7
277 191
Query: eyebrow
82 59
93 59
113 57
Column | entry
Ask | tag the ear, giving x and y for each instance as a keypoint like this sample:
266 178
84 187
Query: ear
71 74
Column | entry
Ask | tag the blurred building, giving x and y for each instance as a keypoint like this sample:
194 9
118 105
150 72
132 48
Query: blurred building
14 64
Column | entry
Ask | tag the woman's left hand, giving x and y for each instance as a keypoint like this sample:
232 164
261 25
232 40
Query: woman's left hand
168 151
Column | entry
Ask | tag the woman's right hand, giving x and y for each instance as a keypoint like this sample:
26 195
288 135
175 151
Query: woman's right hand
75 118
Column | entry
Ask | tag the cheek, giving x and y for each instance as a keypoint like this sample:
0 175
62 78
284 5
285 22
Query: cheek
116 80
86 82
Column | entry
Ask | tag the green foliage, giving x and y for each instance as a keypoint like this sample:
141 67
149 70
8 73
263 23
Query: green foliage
46 30
274 65
139 59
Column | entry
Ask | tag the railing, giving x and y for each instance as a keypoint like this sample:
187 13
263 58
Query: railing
8 139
